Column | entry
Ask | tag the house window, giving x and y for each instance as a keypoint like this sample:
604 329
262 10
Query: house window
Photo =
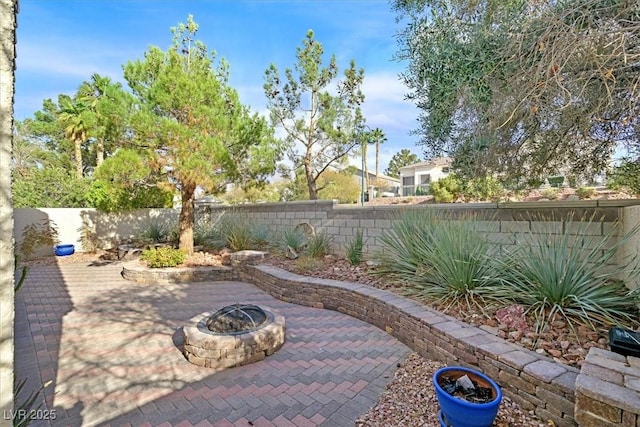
407 180
425 179
445 169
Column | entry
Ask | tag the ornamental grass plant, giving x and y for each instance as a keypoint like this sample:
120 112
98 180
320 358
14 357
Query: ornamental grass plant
583 286
354 249
154 231
290 239
318 245
442 261
235 232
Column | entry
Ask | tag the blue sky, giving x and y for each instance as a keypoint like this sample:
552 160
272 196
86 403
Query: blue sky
62 42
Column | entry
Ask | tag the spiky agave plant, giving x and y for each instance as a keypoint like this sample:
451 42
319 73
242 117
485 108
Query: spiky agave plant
443 261
570 275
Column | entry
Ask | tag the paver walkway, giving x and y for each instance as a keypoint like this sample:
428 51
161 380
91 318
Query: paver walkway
111 349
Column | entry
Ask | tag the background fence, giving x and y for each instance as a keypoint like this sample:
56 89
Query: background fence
506 225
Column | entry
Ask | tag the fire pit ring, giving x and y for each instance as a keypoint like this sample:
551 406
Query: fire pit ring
236 319
246 340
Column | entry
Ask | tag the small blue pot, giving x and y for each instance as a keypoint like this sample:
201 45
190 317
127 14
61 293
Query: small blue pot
459 412
64 250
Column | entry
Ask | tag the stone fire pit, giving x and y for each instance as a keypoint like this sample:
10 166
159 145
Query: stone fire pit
235 335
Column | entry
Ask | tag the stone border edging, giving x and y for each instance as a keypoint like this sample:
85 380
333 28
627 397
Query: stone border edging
535 382
140 274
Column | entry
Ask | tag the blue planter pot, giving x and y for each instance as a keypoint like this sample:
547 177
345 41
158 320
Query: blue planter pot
64 250
458 412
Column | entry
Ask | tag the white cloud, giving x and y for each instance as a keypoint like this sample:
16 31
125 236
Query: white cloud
56 61
385 105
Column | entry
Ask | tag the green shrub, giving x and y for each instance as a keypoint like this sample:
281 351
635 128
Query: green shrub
547 275
585 192
550 193
234 231
354 249
240 238
625 177
488 188
442 195
318 245
173 234
421 192
163 257
441 260
534 182
409 230
445 190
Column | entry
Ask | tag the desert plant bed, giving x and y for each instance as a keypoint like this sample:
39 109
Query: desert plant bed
510 323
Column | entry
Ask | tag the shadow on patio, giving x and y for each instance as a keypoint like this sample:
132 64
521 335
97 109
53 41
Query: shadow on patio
118 359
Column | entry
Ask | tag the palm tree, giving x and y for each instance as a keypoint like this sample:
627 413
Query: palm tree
73 116
105 100
366 139
378 137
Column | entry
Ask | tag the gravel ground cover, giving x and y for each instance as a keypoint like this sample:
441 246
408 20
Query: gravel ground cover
410 400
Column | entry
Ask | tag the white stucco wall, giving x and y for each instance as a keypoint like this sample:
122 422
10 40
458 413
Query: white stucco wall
106 229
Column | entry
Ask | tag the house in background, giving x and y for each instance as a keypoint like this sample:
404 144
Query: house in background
382 185
417 177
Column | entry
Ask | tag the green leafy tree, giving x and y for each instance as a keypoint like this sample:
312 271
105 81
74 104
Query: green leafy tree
543 86
626 176
341 186
402 158
28 153
126 181
45 131
110 106
50 187
191 124
321 129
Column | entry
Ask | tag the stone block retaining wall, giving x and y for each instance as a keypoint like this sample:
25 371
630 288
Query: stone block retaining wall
608 390
506 225
535 382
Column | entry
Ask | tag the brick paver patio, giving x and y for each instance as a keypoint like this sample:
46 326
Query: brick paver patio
111 350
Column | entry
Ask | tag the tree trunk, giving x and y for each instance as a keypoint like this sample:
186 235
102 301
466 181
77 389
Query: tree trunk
365 166
377 157
99 153
311 183
78 157
187 218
